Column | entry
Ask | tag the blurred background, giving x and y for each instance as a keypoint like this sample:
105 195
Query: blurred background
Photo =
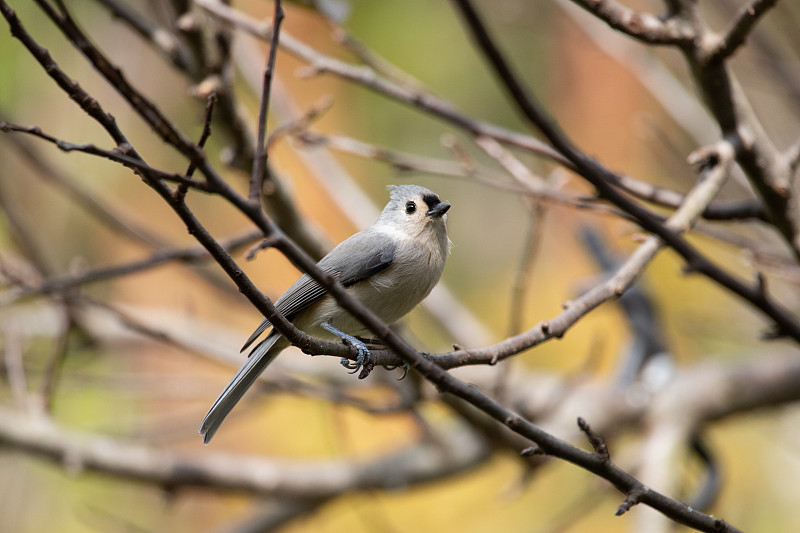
140 357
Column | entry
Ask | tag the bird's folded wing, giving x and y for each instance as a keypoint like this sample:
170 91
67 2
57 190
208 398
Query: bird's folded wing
354 264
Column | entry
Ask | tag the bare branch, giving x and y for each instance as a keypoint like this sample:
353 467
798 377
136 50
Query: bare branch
744 22
597 442
616 285
117 155
87 103
642 26
367 77
713 165
260 161
193 255
602 179
211 101
162 39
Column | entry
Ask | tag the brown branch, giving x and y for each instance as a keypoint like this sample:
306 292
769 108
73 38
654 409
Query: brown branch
81 195
416 97
664 197
143 106
116 155
642 26
87 103
165 41
743 23
597 442
624 277
767 170
412 96
211 101
192 255
260 160
407 162
212 74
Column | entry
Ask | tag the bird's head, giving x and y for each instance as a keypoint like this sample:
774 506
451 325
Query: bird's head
414 210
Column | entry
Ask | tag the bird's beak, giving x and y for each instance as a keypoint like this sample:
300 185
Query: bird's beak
438 210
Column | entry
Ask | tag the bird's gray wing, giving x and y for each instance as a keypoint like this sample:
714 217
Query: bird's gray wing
366 263
349 262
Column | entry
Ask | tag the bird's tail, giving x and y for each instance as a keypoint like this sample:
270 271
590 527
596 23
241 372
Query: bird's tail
261 356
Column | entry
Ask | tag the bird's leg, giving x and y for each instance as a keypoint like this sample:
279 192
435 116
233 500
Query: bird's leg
363 352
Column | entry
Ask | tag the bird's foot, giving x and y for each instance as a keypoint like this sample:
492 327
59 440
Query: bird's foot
363 352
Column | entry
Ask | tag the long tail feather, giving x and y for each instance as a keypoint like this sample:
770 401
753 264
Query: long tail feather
261 356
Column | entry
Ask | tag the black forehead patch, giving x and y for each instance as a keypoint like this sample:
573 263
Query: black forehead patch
431 200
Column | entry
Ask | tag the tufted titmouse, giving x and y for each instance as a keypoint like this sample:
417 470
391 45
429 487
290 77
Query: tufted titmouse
389 267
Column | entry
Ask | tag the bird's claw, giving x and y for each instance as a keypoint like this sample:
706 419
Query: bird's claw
406 368
361 360
363 352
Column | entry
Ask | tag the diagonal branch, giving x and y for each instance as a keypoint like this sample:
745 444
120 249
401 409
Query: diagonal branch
602 179
625 276
744 22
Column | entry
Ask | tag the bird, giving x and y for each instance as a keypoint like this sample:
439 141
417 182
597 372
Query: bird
389 267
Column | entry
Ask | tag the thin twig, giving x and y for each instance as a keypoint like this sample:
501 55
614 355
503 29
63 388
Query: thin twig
192 255
743 23
164 40
365 76
211 101
260 161
616 285
437 107
118 155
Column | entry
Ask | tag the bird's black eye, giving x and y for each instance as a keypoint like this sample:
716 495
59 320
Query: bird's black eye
410 207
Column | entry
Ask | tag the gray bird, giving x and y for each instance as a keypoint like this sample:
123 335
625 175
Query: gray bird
389 267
